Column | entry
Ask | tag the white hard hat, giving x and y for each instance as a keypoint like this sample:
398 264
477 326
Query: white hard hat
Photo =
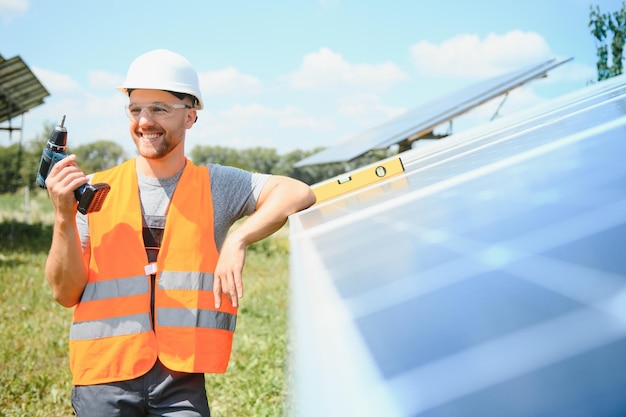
163 70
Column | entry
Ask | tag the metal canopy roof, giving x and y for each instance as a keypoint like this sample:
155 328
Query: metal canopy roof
487 280
425 118
20 90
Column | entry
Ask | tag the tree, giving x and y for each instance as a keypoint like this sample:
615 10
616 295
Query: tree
602 24
203 155
19 163
258 159
10 179
251 159
311 174
99 155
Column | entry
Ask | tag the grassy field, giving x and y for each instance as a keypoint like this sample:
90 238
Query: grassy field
34 371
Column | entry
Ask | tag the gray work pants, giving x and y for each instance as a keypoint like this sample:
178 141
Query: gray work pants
160 392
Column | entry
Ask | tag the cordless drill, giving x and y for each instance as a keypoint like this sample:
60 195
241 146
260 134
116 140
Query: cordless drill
89 196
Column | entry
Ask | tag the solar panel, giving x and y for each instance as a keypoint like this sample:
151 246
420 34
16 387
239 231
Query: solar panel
20 90
426 117
489 279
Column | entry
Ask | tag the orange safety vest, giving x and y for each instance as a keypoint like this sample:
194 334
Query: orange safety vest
112 337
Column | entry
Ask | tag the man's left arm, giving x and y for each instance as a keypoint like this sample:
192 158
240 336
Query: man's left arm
281 196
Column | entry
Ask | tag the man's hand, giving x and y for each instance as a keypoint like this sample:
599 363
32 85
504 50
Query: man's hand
228 271
65 177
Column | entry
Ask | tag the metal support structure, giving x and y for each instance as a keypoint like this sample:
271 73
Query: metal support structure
499 106
20 91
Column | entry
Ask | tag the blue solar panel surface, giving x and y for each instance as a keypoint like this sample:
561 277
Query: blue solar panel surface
489 280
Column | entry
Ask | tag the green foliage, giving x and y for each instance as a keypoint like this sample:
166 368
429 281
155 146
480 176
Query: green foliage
10 174
258 159
19 162
202 155
23 237
602 25
251 159
98 155
308 174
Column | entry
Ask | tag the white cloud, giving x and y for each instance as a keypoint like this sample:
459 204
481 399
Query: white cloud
468 56
89 117
328 69
228 81
256 116
104 80
11 8
252 125
294 118
367 110
90 114
56 82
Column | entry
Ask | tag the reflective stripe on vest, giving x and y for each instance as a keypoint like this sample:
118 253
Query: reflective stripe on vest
169 280
103 290
208 319
188 317
115 288
185 317
118 326
111 338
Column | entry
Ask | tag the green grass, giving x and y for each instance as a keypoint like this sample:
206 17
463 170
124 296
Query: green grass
34 371
31 207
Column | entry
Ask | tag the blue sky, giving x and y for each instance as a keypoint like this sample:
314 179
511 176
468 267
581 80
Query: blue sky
292 74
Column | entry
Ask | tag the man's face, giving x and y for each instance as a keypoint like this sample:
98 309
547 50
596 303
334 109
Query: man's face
157 134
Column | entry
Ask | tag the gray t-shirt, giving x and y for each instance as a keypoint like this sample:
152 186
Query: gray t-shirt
234 192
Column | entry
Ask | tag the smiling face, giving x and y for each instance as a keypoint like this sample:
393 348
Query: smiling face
155 135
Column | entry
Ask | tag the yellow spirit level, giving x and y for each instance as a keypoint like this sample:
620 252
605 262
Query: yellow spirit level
368 175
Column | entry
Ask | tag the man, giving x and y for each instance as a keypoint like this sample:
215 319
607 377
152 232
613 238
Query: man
154 276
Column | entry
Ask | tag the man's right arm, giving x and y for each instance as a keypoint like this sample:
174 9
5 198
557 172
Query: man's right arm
66 270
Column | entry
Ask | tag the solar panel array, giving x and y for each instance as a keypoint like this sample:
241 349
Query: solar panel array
426 117
20 90
488 280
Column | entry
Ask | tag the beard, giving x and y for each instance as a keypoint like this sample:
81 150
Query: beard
157 149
